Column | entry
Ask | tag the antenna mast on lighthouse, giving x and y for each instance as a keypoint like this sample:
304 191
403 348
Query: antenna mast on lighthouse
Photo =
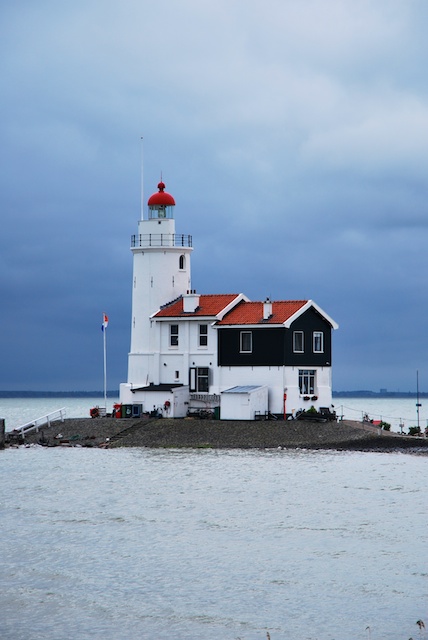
142 180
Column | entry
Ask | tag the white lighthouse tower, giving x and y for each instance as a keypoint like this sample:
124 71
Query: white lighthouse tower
161 273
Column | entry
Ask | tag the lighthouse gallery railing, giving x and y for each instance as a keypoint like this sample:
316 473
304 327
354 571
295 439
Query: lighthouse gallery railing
161 240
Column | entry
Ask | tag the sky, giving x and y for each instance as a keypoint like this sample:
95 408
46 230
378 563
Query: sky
293 135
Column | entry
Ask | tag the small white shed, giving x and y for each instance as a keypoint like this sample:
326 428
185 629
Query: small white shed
242 402
169 400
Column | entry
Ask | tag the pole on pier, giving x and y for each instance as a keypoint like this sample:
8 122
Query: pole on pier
418 404
103 328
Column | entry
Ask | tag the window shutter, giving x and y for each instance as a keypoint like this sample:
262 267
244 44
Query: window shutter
192 379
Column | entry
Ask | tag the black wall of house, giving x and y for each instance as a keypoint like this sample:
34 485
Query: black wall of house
268 347
309 322
273 346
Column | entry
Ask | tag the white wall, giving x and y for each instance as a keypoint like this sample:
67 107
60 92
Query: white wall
277 379
157 279
188 353
243 406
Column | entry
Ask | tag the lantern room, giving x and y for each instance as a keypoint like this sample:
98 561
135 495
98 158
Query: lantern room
161 203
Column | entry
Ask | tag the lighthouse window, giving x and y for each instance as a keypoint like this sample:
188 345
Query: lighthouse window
173 335
246 342
203 335
318 342
182 263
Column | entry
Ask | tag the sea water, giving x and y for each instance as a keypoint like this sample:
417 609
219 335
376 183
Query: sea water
19 411
400 413
199 544
216 545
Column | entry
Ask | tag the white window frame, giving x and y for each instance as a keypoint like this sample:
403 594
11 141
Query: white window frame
203 335
174 332
246 335
318 342
307 382
295 334
199 379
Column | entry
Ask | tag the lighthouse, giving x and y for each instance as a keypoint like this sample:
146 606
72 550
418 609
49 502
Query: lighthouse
215 354
161 273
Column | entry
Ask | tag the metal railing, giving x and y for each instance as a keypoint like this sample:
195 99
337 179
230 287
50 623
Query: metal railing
35 425
161 240
205 397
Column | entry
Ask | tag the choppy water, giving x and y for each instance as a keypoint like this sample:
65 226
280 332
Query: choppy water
131 544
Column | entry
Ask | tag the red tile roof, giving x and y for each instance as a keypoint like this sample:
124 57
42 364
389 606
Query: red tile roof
252 312
209 305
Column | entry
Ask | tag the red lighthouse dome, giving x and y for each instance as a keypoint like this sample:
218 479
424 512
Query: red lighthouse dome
161 198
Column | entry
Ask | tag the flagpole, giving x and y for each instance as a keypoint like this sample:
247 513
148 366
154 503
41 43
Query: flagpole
105 362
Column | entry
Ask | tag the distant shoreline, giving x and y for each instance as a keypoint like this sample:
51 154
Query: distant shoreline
379 394
115 394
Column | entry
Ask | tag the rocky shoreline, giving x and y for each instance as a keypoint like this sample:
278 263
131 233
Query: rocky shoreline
223 434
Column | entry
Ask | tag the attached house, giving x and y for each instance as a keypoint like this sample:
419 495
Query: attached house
188 349
285 345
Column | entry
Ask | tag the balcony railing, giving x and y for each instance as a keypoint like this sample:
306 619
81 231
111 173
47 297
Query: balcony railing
161 240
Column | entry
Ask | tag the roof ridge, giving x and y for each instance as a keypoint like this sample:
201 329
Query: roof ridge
171 302
273 301
219 294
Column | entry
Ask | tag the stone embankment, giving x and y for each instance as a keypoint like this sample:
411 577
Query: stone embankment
223 434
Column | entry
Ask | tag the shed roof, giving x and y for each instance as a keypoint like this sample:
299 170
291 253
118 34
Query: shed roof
245 388
157 387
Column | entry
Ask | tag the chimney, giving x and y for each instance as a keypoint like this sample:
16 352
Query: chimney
267 309
190 301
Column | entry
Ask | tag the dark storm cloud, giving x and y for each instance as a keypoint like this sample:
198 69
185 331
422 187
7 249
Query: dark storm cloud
293 136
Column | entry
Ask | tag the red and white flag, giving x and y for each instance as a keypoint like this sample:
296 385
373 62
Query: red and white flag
105 322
